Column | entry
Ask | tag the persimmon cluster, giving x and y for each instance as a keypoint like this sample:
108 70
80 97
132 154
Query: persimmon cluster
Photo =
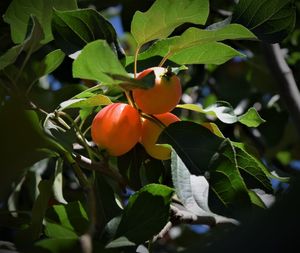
119 127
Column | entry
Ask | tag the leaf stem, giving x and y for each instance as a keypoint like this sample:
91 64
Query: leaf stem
162 62
135 60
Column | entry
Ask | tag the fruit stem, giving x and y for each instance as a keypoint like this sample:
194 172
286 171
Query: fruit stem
154 120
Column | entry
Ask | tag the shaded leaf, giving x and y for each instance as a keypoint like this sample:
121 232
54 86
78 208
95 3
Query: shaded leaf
225 179
250 164
164 16
71 217
130 165
19 11
95 61
146 214
269 20
195 144
72 30
193 191
30 44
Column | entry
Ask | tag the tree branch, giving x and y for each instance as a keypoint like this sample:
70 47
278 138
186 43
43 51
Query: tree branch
287 86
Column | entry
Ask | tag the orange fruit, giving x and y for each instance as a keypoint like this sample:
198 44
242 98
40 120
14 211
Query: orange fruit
150 135
116 128
163 96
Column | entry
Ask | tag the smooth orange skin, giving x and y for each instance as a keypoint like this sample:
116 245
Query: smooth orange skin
117 128
163 97
151 132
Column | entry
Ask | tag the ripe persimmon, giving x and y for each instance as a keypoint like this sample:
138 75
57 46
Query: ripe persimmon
151 132
163 96
117 128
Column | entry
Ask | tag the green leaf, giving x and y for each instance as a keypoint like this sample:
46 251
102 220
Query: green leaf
30 44
225 178
71 217
225 113
72 30
195 144
194 39
95 61
41 66
129 83
249 162
209 53
164 16
93 101
19 11
146 214
251 118
269 20
58 245
54 230
193 191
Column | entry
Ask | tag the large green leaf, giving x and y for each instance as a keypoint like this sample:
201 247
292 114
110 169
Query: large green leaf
19 11
269 20
225 178
195 144
164 16
254 171
195 38
98 62
72 30
204 153
30 44
146 214
193 191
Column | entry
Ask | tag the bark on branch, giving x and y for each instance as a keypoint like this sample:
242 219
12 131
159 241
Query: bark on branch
287 86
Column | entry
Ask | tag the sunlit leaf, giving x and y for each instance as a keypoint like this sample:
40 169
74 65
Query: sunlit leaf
95 61
164 16
194 39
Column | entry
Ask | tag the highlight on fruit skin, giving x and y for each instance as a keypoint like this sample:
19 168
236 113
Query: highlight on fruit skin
163 96
117 128
150 135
